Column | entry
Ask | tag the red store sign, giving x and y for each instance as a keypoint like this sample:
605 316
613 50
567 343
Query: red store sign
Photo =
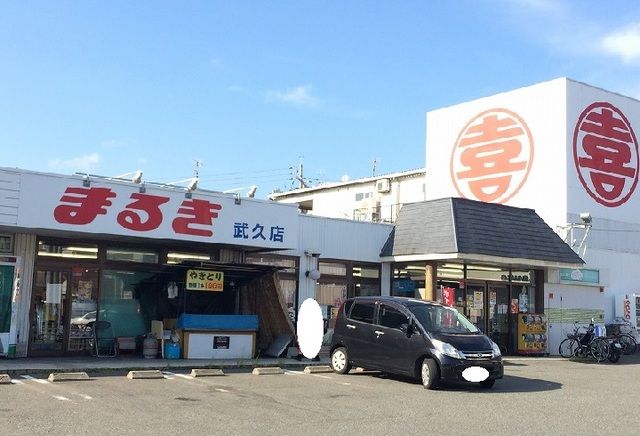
605 152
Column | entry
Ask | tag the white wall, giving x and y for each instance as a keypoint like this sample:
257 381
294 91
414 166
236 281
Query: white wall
568 298
332 238
542 108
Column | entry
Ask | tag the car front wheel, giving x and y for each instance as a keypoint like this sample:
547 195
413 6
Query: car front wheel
429 374
340 360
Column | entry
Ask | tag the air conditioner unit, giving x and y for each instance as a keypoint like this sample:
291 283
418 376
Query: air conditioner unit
383 185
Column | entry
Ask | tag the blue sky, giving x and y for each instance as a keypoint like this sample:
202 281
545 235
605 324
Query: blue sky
251 88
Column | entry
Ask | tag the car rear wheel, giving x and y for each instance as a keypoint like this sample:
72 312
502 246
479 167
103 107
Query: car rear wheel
429 374
340 360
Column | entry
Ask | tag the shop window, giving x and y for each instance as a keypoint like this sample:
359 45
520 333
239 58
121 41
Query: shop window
366 272
451 271
479 272
366 289
331 294
131 255
332 268
127 302
74 251
289 263
174 258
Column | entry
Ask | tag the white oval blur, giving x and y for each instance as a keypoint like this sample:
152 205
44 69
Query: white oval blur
475 374
310 328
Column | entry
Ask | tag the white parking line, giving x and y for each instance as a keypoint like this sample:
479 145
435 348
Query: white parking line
290 372
173 375
221 390
60 397
16 382
37 380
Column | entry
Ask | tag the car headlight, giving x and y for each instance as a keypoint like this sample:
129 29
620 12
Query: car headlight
495 350
447 349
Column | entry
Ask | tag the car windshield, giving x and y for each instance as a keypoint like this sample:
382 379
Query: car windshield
440 319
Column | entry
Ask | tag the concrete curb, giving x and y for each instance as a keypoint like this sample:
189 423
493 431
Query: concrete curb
267 370
150 374
5 379
206 372
317 369
67 376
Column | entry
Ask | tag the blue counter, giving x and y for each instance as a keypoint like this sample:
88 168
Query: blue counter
217 322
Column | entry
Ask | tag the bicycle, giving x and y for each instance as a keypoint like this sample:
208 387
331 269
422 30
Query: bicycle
584 344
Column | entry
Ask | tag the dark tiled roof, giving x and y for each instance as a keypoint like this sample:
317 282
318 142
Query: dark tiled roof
459 225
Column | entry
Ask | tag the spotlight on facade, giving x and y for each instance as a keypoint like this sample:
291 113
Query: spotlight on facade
585 217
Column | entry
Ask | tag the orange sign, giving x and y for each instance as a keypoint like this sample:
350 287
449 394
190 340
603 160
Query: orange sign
492 156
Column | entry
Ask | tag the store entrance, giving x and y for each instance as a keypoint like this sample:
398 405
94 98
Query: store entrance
487 307
48 312
63 309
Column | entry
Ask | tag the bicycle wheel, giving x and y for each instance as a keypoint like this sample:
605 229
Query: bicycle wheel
568 348
628 343
599 349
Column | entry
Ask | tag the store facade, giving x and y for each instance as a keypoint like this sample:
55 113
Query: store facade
92 248
490 261
569 151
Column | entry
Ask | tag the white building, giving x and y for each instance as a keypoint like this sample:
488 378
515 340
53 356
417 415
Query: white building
376 199
567 150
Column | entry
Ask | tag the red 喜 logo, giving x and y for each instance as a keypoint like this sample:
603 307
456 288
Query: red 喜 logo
492 156
605 152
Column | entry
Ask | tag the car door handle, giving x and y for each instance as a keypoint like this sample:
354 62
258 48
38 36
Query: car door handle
378 332
350 326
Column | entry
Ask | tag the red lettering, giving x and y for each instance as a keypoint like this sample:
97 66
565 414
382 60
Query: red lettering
149 204
85 205
198 213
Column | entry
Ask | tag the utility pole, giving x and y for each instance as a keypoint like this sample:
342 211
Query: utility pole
299 176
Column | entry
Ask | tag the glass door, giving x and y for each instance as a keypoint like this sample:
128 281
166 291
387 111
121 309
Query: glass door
475 307
48 313
84 297
498 315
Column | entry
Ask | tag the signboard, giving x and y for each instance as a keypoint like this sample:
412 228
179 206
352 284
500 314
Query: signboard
580 275
221 342
204 280
117 208
448 296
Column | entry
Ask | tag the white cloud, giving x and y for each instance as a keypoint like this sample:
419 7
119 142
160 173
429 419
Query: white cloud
298 96
624 43
79 164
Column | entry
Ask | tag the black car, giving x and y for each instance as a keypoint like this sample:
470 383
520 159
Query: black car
425 340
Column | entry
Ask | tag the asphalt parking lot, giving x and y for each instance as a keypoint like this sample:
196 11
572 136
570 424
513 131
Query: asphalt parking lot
537 396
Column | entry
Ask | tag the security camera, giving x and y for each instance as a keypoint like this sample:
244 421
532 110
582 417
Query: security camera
585 217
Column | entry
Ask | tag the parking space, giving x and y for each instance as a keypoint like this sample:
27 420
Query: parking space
537 396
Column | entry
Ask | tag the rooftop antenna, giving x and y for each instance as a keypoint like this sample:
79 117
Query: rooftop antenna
373 170
196 170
